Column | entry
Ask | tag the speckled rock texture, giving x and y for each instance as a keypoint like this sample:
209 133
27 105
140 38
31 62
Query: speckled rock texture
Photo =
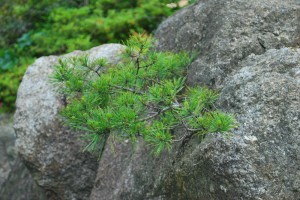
258 160
7 151
263 155
52 152
225 32
249 50
20 185
16 182
261 158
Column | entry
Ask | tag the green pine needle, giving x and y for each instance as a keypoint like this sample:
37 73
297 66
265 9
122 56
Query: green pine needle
144 95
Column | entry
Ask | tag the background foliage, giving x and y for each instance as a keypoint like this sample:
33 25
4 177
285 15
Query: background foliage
34 28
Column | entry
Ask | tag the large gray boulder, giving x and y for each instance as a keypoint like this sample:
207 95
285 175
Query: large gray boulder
242 52
259 160
51 151
20 185
224 32
7 151
249 50
262 159
16 182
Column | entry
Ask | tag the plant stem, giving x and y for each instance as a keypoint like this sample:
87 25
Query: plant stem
156 114
127 89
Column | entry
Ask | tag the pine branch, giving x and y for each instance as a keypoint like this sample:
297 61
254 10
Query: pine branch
93 70
155 115
127 89
137 62
157 94
148 65
189 130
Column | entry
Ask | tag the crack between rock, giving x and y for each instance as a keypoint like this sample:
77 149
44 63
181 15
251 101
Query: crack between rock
261 43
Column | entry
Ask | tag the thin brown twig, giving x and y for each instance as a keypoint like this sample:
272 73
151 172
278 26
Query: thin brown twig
93 70
156 114
127 89
186 128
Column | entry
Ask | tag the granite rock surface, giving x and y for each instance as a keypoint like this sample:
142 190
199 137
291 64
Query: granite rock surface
249 51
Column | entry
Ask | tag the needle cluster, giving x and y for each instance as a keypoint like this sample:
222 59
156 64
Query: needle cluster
145 95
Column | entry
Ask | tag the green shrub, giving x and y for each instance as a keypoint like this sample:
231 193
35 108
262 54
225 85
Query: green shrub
99 22
9 83
19 17
144 95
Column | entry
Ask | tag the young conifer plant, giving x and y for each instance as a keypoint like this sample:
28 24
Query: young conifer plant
145 95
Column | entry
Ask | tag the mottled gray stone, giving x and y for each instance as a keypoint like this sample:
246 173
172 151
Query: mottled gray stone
7 151
258 160
16 182
264 152
128 171
225 32
249 50
242 52
50 150
20 185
